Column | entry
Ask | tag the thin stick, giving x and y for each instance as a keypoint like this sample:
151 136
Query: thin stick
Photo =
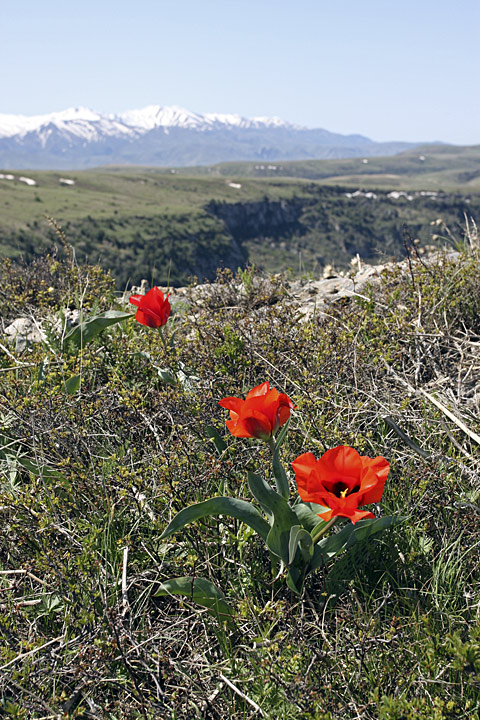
472 435
242 695
7 352
279 371
126 604
452 417
31 652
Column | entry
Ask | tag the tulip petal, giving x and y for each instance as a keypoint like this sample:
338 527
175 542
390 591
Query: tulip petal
304 466
237 429
153 308
258 390
360 515
232 403
340 462
145 317
260 415
373 483
327 515
341 480
257 424
135 299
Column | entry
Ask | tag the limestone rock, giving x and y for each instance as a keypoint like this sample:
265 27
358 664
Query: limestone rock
22 331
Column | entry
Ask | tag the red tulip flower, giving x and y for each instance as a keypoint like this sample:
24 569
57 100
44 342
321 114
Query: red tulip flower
153 308
260 415
341 480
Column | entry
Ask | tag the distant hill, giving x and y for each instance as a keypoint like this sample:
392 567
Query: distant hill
80 138
167 224
432 167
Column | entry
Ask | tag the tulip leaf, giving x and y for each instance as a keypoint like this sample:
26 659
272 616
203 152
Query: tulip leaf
218 441
190 382
86 331
300 553
201 591
41 370
296 578
239 509
337 542
283 516
166 376
41 471
309 519
365 528
282 434
73 384
281 478
300 540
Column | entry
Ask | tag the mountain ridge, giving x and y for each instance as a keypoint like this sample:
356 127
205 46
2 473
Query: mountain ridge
79 138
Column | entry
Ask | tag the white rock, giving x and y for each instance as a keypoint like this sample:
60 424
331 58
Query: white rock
23 330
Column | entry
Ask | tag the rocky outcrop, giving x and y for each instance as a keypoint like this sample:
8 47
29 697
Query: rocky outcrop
27 330
311 296
24 330
267 218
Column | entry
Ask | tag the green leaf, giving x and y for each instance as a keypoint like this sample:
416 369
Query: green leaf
73 384
231 507
166 376
218 441
86 331
281 478
300 540
295 579
39 471
300 549
189 381
283 516
338 542
201 591
308 518
41 370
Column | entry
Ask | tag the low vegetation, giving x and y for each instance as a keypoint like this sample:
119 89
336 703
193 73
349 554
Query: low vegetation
98 453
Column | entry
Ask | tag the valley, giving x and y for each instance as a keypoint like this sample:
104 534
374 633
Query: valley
170 224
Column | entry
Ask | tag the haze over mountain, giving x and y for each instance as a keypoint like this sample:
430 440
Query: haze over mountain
82 138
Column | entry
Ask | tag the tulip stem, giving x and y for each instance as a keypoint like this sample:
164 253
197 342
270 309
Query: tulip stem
324 529
163 338
271 444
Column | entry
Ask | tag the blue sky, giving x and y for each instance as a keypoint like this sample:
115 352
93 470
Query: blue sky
390 70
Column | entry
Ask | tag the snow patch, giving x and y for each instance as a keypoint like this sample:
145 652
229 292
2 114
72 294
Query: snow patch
397 194
361 193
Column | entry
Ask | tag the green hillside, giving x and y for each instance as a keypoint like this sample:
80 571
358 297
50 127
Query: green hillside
167 225
431 167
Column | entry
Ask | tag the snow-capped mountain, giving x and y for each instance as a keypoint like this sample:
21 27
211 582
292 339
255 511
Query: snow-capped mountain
156 135
154 116
90 125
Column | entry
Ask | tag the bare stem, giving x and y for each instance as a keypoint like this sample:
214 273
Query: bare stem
163 338
324 529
